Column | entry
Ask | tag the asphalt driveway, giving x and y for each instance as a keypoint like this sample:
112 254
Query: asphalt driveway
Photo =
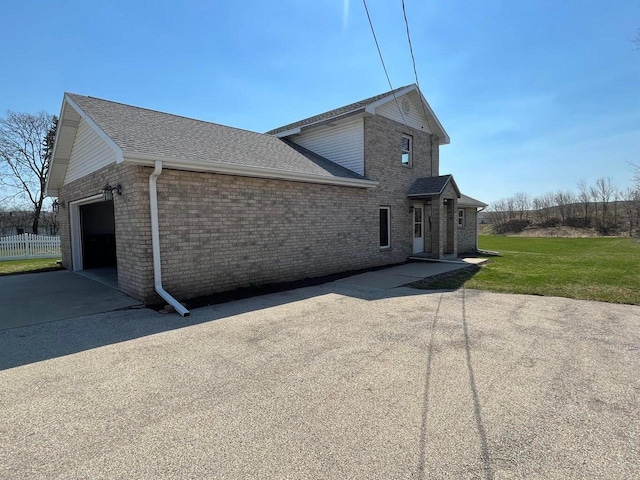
335 381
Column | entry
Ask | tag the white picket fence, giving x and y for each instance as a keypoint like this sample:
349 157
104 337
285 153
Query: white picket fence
28 245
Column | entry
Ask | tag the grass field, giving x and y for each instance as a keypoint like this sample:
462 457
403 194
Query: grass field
11 267
604 269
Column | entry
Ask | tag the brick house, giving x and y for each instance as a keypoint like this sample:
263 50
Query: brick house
195 207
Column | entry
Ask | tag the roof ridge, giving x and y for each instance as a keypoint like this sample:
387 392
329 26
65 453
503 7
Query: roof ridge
357 105
166 113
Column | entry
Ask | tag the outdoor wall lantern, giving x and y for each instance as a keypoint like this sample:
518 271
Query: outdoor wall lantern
107 191
55 206
411 209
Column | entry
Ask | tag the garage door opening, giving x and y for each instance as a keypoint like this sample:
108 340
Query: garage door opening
98 235
93 240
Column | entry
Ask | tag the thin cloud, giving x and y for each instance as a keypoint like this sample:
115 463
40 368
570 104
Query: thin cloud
345 14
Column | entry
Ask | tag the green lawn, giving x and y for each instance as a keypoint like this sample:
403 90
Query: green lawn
10 267
604 269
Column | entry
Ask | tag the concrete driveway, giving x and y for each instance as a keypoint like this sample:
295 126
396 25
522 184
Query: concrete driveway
336 381
35 298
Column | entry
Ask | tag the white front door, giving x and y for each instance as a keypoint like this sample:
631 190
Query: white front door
418 228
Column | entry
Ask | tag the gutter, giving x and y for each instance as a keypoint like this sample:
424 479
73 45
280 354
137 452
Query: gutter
245 171
155 242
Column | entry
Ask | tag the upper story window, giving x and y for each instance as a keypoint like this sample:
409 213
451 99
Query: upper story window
407 150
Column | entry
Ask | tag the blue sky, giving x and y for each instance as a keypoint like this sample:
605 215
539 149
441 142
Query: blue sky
535 95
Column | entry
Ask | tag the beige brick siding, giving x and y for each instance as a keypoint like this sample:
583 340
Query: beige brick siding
132 224
467 234
382 138
219 232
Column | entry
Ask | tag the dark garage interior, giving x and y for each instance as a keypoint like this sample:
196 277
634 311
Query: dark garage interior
98 235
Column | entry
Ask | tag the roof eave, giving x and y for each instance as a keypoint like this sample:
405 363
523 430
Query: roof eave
53 190
245 171
103 135
324 121
472 205
49 192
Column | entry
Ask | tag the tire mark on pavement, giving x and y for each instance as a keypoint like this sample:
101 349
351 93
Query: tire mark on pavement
477 410
425 395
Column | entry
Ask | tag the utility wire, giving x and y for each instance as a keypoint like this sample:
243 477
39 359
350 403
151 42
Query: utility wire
413 59
382 60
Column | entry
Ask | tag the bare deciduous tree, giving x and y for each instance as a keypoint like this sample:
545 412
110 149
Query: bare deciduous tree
521 204
603 192
636 174
631 202
563 200
26 144
584 197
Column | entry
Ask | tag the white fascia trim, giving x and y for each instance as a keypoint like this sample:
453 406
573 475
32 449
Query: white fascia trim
371 108
287 133
245 171
443 136
47 192
118 151
477 204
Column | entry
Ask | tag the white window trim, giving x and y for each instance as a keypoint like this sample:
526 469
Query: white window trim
463 218
388 209
410 138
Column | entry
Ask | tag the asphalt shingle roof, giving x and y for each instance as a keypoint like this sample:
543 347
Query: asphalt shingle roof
351 108
470 201
429 185
149 132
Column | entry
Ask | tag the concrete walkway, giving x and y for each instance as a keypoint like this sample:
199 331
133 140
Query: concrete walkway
402 274
35 298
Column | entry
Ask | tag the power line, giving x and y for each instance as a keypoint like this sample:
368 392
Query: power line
382 60
413 60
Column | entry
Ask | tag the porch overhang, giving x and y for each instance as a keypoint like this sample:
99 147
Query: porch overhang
426 188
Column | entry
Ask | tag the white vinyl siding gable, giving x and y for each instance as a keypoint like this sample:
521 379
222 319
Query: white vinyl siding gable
89 153
342 144
415 118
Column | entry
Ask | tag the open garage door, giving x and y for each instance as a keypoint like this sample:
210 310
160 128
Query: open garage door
98 235
93 236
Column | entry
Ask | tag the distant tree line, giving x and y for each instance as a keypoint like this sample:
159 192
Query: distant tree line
601 206
17 221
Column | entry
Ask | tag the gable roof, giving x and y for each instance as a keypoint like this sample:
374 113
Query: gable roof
467 201
143 136
337 112
366 105
429 186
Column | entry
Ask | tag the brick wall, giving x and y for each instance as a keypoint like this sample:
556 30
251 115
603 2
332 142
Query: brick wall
219 232
467 234
382 138
132 224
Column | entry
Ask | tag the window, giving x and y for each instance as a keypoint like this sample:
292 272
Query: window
385 227
407 147
461 218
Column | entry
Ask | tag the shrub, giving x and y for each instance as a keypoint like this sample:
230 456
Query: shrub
511 226
550 222
578 222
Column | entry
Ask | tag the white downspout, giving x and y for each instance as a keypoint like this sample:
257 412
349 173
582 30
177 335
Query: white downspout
155 242
478 227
